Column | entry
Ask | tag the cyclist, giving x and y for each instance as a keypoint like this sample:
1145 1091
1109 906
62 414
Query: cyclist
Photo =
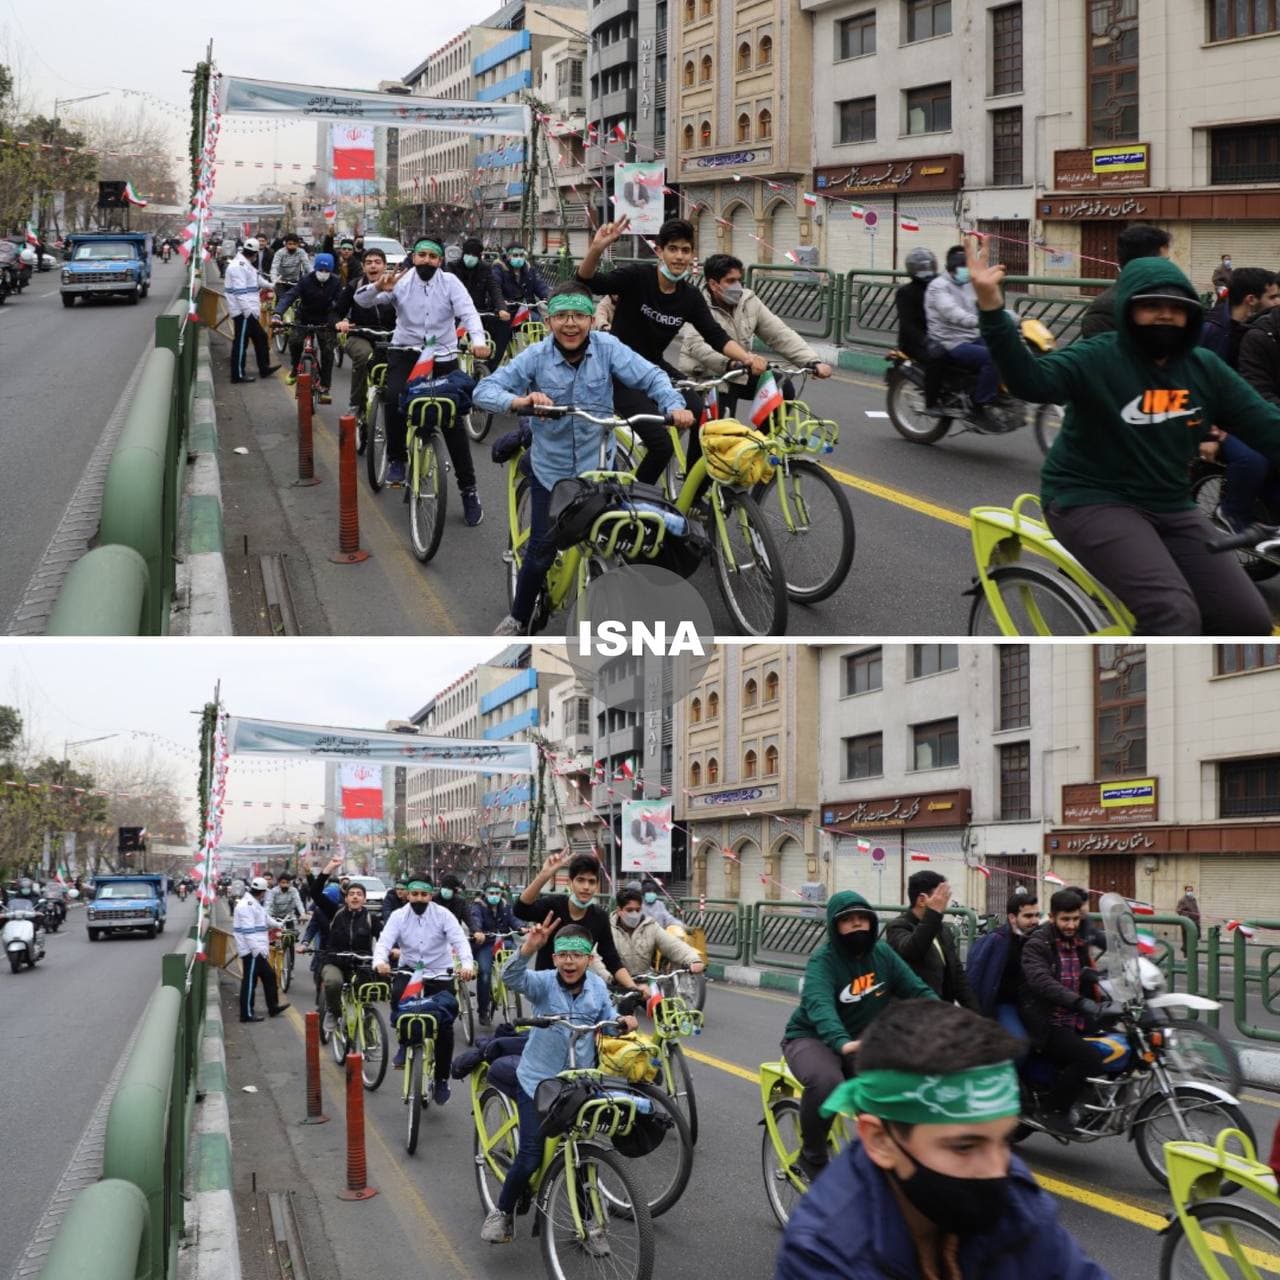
428 936
739 312
847 983
517 282
927 944
1140 240
250 924
1114 486
490 915
995 962
349 266
638 936
913 328
318 295
426 300
571 366
452 896
290 263
350 929
654 303
931 1187
571 991
285 900
479 279
397 895
243 284
354 316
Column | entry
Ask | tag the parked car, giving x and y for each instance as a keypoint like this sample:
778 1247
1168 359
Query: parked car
374 889
395 251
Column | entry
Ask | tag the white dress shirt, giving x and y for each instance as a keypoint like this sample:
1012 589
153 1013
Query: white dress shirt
433 940
427 311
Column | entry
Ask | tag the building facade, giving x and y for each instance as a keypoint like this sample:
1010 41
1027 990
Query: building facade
564 190
435 167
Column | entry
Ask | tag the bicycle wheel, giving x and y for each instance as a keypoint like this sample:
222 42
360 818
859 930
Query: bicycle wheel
338 1041
664 1172
427 506
1040 603
693 988
1205 1117
413 1081
618 1227
286 966
281 342
781 1192
812 525
496 1110
466 1012
1245 1242
375 458
374 1048
523 517
1207 493
322 1010
749 569
1202 1052
682 1084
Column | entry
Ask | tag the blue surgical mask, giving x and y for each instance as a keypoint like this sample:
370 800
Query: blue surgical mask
517 263
581 903
493 898
666 271
469 260
446 894
962 275
651 897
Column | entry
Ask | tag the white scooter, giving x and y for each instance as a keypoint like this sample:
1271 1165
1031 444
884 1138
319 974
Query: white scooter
22 937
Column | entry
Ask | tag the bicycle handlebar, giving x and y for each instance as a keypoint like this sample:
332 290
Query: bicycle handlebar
370 333
669 976
1253 536
567 410
446 976
711 384
576 1030
303 328
349 955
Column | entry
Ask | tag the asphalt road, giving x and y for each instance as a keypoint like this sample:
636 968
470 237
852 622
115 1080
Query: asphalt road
428 1213
63 1028
64 373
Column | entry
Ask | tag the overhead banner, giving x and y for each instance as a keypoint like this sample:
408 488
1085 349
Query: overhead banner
299 101
316 742
353 169
361 791
639 196
236 211
646 836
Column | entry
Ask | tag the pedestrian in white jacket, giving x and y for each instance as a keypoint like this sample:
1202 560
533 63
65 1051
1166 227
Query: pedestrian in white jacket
251 926
241 287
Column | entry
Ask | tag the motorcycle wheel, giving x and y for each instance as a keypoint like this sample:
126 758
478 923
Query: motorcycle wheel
1206 1117
905 402
1206 492
15 961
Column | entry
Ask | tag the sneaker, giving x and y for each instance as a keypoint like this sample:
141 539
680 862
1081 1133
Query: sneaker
395 472
510 627
290 378
441 1093
472 511
486 1019
324 396
397 1062
809 1168
498 1228
597 1241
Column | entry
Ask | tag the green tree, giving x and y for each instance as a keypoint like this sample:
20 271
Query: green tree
10 717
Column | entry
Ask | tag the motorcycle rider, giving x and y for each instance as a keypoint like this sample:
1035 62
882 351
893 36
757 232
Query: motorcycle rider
913 328
1057 1002
318 295
951 314
251 925
653 904
995 962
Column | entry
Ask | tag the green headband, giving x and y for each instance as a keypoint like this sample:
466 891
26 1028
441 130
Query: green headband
419 886
582 946
981 1093
571 302
431 245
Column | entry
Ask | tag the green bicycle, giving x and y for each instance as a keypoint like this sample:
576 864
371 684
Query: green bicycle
417 1032
360 1027
506 1005
674 1020
282 952
477 424
1209 1235
523 336
591 1216
426 490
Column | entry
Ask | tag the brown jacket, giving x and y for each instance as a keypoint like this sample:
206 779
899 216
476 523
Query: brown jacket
749 319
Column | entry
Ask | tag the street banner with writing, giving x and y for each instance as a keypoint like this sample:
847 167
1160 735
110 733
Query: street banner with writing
646 836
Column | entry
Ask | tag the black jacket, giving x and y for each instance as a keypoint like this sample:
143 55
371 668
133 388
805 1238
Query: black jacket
1041 990
482 284
913 332
1259 360
317 302
525 285
350 931
1101 315
937 965
364 318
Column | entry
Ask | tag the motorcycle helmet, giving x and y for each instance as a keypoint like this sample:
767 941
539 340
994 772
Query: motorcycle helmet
333 893
258 884
25 887
251 245
921 264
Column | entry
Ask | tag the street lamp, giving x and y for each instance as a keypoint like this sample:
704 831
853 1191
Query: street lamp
82 742
66 102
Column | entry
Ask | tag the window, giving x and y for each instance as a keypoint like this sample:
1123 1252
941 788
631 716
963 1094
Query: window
1006 49
744 128
1120 710
864 756
695 774
689 74
744 56
863 672
713 706
764 124
1008 242
929 109
1112 45
1232 658
1231 19
1249 788
750 694
1248 154
713 772
1015 685
577 715
704 134
856 36
690 10
695 711
926 18
1015 780
766 51
706 68
937 744
770 762
1006 147
706 9
857 120
569 78
929 659
771 687
749 765
688 137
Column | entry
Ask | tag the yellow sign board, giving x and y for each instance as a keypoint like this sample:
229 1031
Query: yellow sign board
1130 159
1132 791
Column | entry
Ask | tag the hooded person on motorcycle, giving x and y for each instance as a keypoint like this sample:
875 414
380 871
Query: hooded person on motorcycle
951 313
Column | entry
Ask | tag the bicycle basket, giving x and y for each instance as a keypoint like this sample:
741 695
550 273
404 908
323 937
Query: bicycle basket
558 1102
414 1028
632 1057
673 1017
736 454
646 1131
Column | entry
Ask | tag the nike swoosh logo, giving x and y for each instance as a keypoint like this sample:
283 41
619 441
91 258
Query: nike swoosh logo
847 996
1135 417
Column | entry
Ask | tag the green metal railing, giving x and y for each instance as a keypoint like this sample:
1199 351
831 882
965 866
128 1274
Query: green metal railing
722 921
807 298
1266 976
106 1235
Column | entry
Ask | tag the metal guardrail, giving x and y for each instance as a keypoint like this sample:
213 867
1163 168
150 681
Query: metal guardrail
807 298
722 922
106 1235
1267 976
104 594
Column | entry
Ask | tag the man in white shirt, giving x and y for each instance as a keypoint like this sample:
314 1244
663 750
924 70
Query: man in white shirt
428 937
251 926
241 285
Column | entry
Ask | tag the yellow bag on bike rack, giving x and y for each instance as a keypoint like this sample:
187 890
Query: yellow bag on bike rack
632 1057
736 454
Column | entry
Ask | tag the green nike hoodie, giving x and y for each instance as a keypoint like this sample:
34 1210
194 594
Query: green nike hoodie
1131 427
843 993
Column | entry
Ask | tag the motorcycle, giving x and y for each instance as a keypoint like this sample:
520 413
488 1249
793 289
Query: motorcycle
22 937
54 911
1140 1090
1207 481
924 399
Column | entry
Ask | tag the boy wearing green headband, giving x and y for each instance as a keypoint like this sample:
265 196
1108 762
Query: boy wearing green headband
931 1187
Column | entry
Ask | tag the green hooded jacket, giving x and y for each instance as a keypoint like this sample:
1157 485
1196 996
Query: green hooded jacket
843 993
1131 427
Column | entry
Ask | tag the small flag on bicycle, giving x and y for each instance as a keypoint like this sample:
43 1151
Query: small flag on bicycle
768 398
522 317
422 369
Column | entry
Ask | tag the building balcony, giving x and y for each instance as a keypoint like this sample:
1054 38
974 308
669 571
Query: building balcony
619 103
608 11
621 53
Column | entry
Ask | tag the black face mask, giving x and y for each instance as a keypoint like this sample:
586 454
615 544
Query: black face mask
1158 340
425 271
856 944
958 1206
419 907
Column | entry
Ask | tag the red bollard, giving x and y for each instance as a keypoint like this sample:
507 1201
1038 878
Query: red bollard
306 448
348 500
357 1172
314 1113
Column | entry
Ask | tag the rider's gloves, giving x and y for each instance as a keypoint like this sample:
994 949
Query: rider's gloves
1090 1008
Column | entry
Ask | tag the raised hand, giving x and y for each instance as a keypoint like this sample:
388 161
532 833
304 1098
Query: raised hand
540 934
611 233
987 280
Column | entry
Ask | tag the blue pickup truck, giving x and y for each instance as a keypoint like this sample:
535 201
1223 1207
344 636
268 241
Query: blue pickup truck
122 904
107 264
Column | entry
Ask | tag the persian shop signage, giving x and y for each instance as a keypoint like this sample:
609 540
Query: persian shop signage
729 160
921 173
1088 804
1103 168
923 809
738 796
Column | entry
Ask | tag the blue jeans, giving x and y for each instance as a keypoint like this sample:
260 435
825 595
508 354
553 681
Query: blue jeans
1250 477
483 957
976 356
1008 1017
528 1155
539 553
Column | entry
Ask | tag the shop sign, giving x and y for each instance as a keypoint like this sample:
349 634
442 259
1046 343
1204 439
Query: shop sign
1087 804
922 809
1095 207
730 160
738 796
920 173
1103 168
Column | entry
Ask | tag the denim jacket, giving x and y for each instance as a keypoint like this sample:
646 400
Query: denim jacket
547 1053
566 447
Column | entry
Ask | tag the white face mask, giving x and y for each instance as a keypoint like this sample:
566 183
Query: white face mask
630 918
322 276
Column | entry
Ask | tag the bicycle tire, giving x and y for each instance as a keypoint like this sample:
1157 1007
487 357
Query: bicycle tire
373 1069
803 536
1219 1217
627 1223
375 457
1067 604
280 341
523 502
684 1096
286 964
1219 1065
414 1077
467 1012
660 1198
1206 491
756 560
779 1190
427 507
1149 1139
338 1040
493 1100
1047 425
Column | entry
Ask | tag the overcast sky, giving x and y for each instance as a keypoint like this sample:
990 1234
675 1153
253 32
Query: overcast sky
324 42
83 689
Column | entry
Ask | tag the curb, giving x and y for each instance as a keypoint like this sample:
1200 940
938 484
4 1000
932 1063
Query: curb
215 1250
203 597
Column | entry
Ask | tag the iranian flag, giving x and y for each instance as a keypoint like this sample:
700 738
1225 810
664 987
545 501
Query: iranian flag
521 317
908 224
625 771
32 239
857 211
1146 944
1050 878
361 791
919 857
619 131
810 199
1139 908
1234 925
768 398
424 365
984 872
864 846
132 197
353 153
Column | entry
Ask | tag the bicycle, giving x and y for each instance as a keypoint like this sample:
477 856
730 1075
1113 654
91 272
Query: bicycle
466 1006
360 1027
588 1205
780 1094
309 360
476 429
674 1020
502 1001
371 404
277 334
1245 1237
523 336
282 951
417 1032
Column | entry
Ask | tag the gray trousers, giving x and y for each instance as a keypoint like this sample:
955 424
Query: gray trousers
1156 563
820 1069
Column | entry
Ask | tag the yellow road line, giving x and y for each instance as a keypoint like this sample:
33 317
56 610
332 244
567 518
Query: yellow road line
720 1064
1104 1203
1261 1102
889 494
